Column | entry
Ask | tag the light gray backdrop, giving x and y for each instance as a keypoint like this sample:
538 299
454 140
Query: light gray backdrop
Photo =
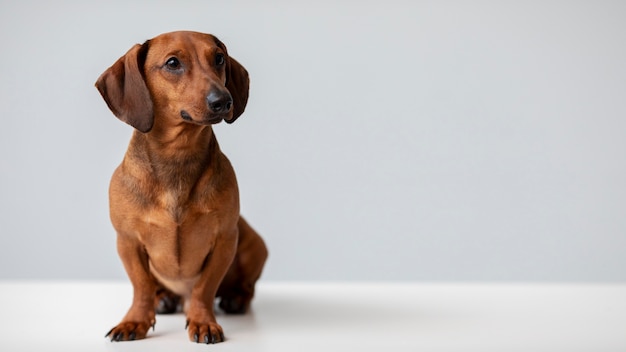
393 140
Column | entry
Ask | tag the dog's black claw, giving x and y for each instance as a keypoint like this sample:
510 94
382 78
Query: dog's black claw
132 336
222 336
206 339
196 338
118 337
109 333
187 324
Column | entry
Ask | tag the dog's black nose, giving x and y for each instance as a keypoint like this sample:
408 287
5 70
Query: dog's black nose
219 102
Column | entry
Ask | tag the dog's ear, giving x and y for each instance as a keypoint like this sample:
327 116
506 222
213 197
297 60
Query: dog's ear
237 83
124 89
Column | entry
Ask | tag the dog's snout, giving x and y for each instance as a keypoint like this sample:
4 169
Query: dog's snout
219 102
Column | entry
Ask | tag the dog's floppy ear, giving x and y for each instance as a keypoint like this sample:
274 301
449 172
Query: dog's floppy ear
124 89
237 83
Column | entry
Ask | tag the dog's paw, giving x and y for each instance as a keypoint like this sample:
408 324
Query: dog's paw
128 331
234 304
167 303
205 332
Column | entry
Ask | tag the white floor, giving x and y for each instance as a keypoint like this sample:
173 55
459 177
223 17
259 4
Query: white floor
301 317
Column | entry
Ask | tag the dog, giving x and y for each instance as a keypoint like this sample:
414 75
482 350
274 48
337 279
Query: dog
174 201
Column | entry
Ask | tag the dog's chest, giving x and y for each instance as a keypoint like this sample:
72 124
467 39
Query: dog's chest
174 203
178 249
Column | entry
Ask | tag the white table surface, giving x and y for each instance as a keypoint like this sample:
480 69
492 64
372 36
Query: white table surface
301 317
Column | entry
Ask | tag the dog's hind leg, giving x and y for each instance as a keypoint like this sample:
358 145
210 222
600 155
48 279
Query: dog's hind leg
237 289
167 302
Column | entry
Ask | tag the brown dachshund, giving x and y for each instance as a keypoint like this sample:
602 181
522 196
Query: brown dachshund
174 200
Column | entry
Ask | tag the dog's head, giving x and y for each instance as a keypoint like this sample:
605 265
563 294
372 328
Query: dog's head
183 76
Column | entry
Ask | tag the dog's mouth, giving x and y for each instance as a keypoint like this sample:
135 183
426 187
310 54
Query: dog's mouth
209 119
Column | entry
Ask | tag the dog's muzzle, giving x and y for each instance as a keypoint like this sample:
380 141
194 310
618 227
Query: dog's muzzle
219 102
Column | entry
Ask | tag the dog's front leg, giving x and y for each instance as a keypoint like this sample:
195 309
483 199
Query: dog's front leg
141 315
201 324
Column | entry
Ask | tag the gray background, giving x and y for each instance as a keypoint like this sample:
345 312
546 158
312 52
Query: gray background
417 140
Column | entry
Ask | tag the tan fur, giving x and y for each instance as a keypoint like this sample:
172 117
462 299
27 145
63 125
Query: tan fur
174 200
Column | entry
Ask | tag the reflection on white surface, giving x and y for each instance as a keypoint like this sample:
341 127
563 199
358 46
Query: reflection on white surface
333 317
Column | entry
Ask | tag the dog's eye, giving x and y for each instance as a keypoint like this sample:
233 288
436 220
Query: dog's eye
172 64
219 59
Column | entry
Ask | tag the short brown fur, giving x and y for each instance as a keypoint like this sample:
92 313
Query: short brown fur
174 201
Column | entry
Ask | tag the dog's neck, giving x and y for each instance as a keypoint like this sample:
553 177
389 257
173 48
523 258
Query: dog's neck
176 157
